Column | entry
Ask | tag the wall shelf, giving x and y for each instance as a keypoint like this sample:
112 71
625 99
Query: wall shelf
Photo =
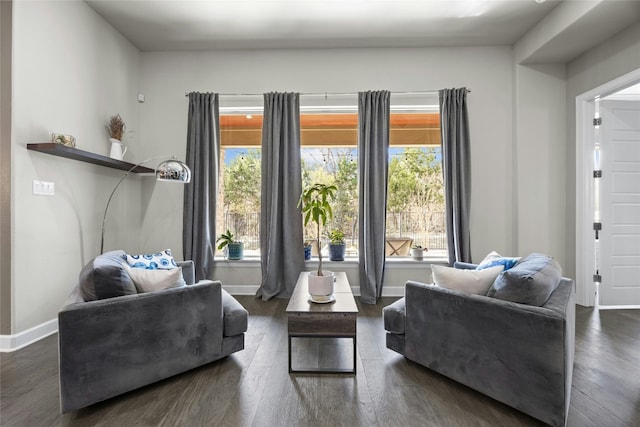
86 156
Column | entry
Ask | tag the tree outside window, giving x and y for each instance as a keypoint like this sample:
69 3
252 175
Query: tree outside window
415 197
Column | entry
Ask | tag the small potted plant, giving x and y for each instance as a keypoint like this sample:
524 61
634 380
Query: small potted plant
307 250
116 129
315 201
233 249
417 252
336 245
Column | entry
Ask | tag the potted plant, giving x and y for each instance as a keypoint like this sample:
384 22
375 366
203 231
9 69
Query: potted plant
315 201
116 129
233 249
336 245
417 252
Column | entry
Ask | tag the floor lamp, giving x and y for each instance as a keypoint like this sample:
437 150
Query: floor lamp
172 170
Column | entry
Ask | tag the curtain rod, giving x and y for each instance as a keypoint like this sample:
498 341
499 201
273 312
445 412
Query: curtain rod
325 94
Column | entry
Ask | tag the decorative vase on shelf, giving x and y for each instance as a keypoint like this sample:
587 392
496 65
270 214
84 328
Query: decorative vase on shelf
117 151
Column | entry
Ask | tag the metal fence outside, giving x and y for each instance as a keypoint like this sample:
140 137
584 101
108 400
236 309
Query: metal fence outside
425 228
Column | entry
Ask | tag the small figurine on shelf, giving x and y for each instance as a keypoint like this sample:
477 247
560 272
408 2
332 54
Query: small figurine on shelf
67 140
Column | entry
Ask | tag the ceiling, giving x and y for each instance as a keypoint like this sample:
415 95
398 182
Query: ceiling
160 25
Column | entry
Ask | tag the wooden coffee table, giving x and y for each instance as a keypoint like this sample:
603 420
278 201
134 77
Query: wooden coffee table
331 320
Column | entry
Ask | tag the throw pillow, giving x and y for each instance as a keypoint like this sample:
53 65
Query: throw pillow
155 280
105 277
470 281
494 259
531 281
158 261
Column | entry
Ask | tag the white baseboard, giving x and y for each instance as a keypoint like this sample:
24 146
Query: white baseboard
9 343
618 307
387 291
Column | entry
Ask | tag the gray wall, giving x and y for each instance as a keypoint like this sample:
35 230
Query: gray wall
70 78
613 58
166 76
71 71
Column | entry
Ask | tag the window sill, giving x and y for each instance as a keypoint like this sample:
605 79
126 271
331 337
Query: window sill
352 262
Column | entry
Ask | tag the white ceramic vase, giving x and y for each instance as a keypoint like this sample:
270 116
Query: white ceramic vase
117 151
320 286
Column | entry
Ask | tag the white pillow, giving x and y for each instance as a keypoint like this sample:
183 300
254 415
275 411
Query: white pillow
155 280
470 281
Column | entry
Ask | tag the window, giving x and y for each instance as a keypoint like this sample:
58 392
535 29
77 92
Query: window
240 164
415 203
329 155
415 193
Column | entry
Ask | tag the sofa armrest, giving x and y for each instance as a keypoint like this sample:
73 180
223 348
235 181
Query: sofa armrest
188 271
464 265
111 346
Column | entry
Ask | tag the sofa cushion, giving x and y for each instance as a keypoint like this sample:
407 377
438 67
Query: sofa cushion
235 316
105 277
160 260
470 281
155 280
394 317
531 281
494 259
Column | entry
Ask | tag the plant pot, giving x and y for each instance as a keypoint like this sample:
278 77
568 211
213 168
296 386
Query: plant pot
320 286
417 254
307 253
117 151
235 250
336 252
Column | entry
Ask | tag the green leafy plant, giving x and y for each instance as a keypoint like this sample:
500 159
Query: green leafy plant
315 201
224 239
336 237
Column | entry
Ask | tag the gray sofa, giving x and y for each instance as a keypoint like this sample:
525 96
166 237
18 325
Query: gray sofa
114 345
518 354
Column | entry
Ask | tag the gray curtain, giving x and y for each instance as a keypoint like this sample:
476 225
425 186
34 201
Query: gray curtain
456 165
281 245
203 157
373 160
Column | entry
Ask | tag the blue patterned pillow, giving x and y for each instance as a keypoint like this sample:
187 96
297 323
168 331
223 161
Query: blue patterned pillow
158 261
494 259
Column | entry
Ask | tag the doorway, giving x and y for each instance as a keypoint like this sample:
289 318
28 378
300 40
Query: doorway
608 194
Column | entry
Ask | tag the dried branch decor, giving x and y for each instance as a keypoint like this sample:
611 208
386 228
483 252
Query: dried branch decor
116 127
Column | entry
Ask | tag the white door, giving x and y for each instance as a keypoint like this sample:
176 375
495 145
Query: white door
620 203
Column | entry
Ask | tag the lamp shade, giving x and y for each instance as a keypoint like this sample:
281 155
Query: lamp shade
173 170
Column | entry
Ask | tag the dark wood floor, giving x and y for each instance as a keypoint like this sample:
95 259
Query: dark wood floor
253 387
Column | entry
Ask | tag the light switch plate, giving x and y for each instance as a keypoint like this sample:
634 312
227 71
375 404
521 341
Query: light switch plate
44 188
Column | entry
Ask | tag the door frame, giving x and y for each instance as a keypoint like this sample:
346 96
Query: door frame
585 242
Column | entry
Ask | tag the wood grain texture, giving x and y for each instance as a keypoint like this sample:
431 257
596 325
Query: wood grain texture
253 387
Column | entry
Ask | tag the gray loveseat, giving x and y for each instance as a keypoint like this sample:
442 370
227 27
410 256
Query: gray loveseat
521 355
114 345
